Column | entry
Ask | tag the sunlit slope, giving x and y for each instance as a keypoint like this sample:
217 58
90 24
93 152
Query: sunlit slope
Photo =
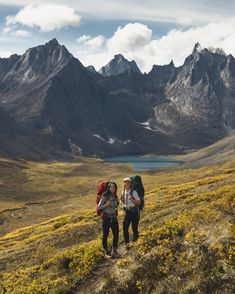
31 192
186 244
221 151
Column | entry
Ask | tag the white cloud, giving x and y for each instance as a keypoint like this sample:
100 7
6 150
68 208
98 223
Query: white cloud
174 11
21 33
135 41
5 53
177 44
209 20
47 17
132 36
92 43
97 59
96 42
7 30
13 31
83 39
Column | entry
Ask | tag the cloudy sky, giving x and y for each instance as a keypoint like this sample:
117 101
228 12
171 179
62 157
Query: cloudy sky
148 31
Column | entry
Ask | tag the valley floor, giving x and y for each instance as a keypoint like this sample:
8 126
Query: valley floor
50 236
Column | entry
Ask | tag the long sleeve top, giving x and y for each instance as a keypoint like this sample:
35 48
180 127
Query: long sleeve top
109 210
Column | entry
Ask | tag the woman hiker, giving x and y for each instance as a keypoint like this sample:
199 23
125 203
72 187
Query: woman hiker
131 202
109 206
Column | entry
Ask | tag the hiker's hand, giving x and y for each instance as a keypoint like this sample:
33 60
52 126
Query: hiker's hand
108 203
131 197
122 197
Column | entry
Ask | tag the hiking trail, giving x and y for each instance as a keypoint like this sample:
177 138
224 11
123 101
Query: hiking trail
94 282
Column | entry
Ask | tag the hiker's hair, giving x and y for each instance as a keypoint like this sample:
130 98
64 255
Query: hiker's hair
112 183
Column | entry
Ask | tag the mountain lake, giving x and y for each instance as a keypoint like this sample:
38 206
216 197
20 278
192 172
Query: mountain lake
145 163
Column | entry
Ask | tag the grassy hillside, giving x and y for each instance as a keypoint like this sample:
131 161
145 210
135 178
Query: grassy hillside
221 151
32 192
187 231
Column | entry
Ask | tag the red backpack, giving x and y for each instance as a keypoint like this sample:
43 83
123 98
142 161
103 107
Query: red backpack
101 190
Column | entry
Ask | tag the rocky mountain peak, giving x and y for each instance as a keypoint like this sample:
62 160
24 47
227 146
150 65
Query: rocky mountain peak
118 65
162 74
48 92
172 63
218 51
41 60
52 43
120 57
204 57
197 48
165 67
91 68
52 50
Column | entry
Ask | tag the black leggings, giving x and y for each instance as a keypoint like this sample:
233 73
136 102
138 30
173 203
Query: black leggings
133 219
108 223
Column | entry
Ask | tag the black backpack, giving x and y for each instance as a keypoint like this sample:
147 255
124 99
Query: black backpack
139 188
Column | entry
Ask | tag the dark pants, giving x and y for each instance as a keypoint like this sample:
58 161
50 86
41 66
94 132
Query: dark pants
133 219
106 225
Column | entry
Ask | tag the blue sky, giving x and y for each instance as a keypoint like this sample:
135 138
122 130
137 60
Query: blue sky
150 32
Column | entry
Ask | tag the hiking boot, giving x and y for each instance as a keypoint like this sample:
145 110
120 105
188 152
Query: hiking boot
114 253
107 253
128 247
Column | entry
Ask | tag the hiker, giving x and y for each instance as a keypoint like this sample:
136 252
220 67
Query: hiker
131 202
109 205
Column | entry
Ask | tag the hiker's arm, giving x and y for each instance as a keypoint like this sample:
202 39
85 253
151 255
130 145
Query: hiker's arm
117 201
136 202
122 197
135 198
103 203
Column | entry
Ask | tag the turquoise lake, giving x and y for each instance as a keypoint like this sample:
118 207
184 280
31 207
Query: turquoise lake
145 163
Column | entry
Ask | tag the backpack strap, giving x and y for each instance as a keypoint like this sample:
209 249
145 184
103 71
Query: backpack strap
136 207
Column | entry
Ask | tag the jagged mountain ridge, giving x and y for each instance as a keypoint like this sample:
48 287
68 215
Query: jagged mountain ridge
49 93
119 65
201 101
193 103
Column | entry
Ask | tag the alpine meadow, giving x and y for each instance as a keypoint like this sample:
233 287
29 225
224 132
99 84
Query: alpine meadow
117 147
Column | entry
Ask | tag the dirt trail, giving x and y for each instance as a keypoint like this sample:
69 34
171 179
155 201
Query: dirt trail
94 282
